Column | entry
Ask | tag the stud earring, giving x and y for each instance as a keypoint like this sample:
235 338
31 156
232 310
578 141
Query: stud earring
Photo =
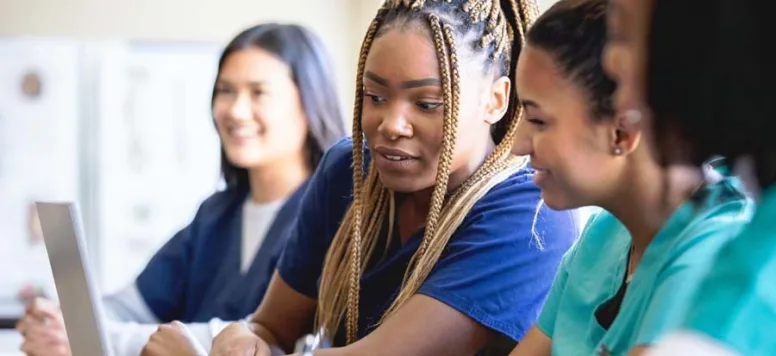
617 151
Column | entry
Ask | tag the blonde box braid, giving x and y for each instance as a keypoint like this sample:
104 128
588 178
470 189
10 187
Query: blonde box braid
359 231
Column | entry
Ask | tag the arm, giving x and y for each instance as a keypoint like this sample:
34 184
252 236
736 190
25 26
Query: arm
424 326
129 338
535 343
162 284
283 316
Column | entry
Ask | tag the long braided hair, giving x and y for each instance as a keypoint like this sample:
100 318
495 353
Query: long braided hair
492 27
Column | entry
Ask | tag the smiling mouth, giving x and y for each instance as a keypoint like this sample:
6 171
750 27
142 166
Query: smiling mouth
243 133
396 158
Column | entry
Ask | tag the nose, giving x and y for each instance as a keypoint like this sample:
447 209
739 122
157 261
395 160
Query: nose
523 144
395 123
241 108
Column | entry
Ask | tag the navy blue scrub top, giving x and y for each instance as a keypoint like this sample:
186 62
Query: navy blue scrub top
196 275
493 270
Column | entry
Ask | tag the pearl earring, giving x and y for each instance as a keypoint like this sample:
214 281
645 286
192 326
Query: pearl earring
617 151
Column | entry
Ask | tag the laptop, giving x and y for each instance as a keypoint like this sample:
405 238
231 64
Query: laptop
78 294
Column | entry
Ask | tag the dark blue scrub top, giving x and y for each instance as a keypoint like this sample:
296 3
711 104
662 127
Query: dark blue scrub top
494 269
196 275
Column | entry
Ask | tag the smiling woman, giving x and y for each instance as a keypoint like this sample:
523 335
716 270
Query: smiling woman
275 109
419 229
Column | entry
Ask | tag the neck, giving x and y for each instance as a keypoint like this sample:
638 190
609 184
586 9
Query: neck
414 207
277 180
648 198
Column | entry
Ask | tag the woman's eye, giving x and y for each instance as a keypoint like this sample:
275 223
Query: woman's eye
536 122
428 106
374 98
224 91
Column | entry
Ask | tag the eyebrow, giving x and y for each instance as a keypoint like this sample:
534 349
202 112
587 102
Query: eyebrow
425 82
253 83
529 103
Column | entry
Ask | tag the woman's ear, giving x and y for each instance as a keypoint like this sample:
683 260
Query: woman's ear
498 101
626 133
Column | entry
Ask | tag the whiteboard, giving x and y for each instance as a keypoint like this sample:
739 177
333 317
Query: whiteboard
157 149
39 150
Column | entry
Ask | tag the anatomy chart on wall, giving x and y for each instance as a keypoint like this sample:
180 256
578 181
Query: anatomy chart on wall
39 153
158 152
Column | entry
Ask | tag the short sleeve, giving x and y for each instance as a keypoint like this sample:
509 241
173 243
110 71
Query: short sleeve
498 267
679 280
162 283
323 206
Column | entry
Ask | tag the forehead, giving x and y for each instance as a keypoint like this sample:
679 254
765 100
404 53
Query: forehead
253 64
540 82
537 74
403 54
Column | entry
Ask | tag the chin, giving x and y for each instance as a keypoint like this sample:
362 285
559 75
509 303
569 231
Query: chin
245 161
555 202
402 184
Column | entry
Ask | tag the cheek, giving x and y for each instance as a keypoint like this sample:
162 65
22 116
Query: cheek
566 155
286 131
370 119
472 130
219 119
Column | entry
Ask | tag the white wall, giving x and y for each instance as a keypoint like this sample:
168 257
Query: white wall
341 23
184 20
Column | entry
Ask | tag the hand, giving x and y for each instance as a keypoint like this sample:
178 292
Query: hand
43 330
238 340
28 293
172 339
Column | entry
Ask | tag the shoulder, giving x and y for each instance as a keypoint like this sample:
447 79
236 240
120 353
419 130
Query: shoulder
721 215
513 212
220 205
603 232
333 178
338 157
603 228
723 211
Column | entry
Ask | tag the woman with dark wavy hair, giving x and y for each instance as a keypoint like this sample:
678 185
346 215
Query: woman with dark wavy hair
276 110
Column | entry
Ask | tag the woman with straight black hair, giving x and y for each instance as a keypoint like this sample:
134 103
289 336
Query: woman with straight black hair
276 110
707 90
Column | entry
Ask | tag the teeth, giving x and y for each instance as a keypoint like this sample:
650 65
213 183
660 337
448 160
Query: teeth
243 133
395 158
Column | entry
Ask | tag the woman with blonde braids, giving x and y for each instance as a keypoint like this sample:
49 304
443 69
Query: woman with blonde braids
436 243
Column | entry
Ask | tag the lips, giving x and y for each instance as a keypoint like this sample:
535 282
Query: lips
394 160
540 174
394 154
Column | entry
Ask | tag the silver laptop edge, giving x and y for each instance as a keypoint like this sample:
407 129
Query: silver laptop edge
78 293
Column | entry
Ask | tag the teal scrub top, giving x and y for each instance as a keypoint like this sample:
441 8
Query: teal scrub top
663 283
736 303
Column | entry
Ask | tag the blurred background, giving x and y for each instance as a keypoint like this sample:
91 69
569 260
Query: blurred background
107 103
